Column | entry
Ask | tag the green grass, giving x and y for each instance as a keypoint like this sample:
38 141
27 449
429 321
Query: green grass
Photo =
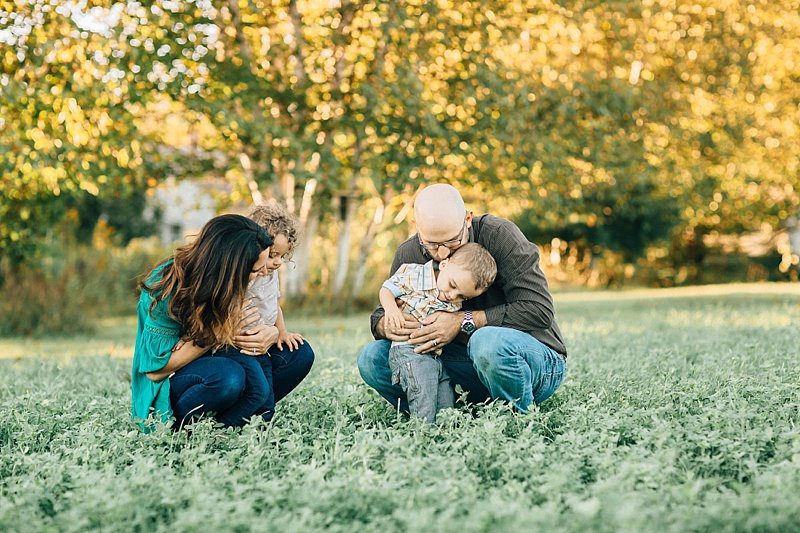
679 413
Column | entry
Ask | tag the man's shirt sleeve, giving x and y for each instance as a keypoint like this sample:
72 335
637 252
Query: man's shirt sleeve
529 304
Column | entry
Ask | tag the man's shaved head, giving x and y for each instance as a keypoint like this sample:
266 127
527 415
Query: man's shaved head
439 212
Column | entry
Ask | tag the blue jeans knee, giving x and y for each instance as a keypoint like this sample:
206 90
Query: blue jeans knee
373 362
515 366
230 384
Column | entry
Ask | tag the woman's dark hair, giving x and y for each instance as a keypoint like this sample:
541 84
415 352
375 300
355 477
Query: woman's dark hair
206 279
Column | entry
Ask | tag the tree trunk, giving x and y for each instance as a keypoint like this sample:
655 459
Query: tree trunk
297 278
793 228
343 245
284 189
366 245
255 193
297 282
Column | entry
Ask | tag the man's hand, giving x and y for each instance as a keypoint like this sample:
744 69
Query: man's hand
257 340
438 329
409 325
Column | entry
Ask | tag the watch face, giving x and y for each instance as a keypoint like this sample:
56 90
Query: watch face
467 327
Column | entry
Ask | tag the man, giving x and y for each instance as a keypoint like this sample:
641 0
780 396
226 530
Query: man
504 344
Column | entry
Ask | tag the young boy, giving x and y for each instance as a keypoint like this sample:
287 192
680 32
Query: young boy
422 291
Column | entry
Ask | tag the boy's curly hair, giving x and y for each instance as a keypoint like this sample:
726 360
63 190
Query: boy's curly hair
276 220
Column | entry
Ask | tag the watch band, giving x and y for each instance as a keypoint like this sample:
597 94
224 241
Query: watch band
468 324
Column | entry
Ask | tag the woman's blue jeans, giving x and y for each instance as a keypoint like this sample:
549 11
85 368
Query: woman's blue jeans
497 363
235 386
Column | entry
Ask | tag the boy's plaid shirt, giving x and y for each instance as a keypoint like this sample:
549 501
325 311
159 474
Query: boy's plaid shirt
415 286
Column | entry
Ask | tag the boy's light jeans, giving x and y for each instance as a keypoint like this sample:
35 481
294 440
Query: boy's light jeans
423 380
499 363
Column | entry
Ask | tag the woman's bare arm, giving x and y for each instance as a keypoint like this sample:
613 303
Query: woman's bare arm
183 354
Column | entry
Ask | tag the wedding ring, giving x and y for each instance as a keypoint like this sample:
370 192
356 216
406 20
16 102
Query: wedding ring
435 342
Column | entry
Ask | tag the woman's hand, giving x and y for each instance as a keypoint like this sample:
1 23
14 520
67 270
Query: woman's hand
249 317
292 340
257 340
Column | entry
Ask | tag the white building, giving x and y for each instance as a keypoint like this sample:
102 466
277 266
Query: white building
184 207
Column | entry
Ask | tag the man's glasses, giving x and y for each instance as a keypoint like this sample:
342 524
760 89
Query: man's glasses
433 246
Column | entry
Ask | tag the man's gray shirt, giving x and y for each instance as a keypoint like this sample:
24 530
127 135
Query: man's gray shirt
519 297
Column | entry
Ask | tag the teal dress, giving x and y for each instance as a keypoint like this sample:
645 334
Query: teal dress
156 335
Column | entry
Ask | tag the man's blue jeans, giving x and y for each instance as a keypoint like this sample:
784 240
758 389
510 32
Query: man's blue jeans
498 363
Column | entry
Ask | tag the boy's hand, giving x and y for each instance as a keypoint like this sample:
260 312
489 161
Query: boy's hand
393 320
292 340
408 325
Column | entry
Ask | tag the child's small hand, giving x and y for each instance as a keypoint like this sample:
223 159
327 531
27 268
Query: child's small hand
394 320
292 340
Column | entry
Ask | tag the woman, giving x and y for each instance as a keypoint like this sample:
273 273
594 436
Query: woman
191 305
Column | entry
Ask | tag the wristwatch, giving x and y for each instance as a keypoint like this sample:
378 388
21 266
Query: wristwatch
468 324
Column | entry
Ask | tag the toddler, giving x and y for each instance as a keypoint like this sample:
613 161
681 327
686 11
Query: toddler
421 291
268 374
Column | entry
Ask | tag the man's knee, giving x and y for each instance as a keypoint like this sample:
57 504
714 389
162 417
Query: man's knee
372 356
483 348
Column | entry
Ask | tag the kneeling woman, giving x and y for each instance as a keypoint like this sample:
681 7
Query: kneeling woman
190 305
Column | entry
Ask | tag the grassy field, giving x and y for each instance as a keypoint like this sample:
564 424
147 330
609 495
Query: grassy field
679 413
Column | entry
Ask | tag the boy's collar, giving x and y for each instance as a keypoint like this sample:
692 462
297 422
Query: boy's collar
429 282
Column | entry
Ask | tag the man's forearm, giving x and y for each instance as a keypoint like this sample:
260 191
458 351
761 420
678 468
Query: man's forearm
377 319
479 317
521 315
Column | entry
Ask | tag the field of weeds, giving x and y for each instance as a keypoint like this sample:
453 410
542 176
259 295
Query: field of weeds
679 413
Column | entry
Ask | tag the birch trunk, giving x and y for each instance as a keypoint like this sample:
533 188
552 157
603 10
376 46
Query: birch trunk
343 246
366 245
793 228
297 278
297 275
255 193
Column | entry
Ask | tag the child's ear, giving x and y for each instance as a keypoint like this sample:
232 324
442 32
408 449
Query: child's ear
443 263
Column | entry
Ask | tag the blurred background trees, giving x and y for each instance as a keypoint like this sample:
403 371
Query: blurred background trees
637 142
